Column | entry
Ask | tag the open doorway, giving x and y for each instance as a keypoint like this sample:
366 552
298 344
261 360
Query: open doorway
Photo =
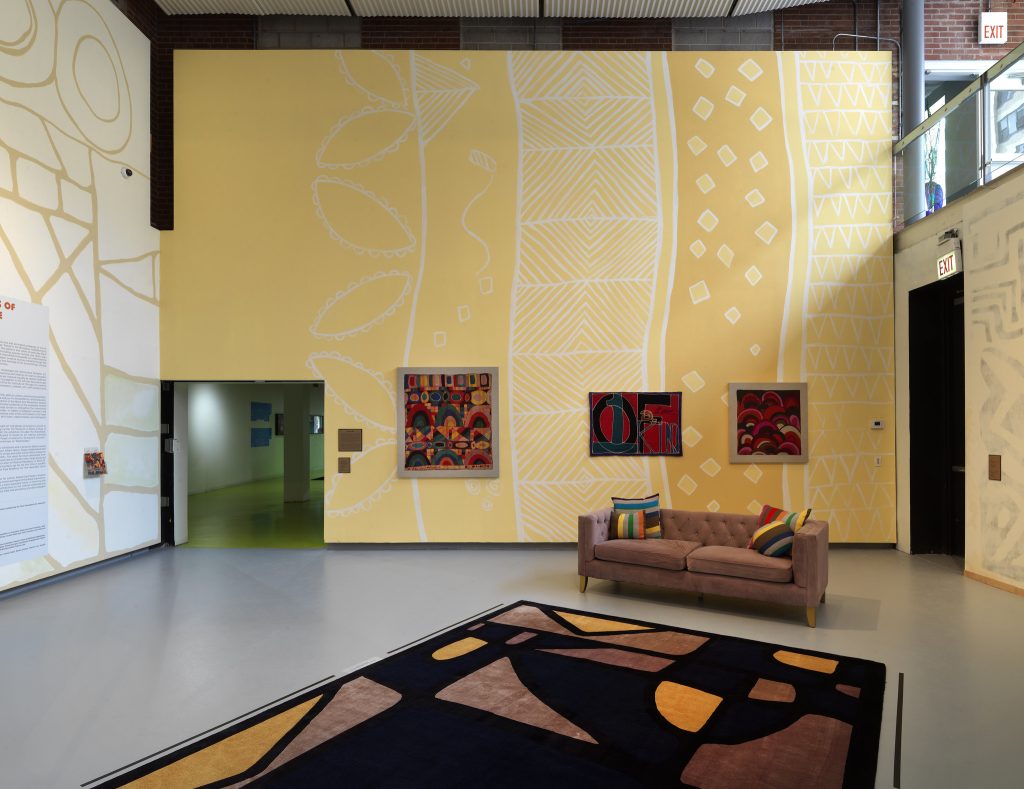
937 478
246 463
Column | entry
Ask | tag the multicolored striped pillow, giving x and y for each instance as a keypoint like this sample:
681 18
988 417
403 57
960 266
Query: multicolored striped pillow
773 539
626 525
651 508
795 520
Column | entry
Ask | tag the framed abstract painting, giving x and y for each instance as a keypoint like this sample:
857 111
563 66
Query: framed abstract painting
447 422
635 423
768 423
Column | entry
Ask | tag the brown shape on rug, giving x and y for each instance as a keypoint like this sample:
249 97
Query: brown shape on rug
811 752
594 624
355 702
616 657
497 689
532 617
230 756
667 642
770 690
519 638
849 690
809 662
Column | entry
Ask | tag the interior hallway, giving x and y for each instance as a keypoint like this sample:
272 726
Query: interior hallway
255 515
105 668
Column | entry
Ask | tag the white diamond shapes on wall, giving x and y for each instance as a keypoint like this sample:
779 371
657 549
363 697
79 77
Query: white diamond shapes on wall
750 70
713 505
711 467
726 255
463 313
754 507
760 118
692 436
696 145
754 198
703 108
440 339
755 350
735 96
698 248
766 232
725 153
758 162
753 275
753 473
693 381
705 68
732 315
705 183
707 220
687 484
699 292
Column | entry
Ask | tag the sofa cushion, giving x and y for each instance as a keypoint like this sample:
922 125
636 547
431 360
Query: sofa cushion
795 520
626 525
773 539
739 563
664 554
651 508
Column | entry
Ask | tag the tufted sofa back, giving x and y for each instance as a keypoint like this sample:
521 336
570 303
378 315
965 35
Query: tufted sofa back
709 528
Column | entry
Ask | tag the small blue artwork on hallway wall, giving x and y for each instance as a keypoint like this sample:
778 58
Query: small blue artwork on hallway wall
259 437
259 412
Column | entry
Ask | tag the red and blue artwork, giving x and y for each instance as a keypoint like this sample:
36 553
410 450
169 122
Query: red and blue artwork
636 423
448 422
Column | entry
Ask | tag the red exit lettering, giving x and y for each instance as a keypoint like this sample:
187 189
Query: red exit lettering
993 31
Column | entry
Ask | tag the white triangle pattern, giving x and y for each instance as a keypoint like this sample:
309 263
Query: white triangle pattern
848 324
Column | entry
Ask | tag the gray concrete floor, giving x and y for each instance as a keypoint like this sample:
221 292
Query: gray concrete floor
100 669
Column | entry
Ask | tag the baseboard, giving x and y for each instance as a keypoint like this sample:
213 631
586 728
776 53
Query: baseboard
85 568
1002 585
886 545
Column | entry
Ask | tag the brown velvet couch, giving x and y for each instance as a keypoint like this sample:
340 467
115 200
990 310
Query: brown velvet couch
707 552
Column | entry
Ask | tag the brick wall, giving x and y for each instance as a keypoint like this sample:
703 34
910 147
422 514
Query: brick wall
621 34
951 29
411 33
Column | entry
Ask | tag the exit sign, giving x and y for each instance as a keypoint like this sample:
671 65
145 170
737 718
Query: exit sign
992 27
947 264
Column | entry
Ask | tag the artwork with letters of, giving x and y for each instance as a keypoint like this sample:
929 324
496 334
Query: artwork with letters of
769 423
448 421
635 423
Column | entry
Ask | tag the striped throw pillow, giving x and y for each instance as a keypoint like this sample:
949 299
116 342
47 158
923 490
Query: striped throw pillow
651 508
773 539
795 520
627 525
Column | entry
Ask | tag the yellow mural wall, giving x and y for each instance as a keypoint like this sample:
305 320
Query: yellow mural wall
582 221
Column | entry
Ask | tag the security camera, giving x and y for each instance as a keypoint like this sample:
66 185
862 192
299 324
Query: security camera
126 172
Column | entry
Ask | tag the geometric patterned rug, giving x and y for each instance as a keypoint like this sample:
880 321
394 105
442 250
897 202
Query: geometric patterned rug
551 696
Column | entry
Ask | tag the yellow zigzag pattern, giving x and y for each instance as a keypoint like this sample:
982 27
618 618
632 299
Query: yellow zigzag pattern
589 230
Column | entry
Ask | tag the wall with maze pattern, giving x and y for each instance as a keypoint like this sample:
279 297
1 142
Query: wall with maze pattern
75 236
583 221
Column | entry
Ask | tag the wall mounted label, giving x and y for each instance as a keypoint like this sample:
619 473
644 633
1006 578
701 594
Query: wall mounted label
992 27
948 264
24 382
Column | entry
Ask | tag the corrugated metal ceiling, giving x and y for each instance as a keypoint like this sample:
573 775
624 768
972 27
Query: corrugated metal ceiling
623 9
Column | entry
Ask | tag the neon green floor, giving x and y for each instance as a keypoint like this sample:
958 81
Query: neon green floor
254 516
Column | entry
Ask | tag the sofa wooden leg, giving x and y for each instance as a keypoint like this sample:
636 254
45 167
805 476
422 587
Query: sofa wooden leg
583 583
812 614
700 597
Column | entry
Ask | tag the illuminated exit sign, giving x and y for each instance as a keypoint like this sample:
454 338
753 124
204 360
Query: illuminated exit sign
948 265
992 27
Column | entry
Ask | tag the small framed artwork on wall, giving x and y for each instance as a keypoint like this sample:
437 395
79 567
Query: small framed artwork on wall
447 422
768 423
635 423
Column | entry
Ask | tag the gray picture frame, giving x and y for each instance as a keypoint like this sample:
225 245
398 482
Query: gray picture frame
400 418
734 454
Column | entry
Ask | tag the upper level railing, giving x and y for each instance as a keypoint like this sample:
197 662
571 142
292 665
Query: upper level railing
971 140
